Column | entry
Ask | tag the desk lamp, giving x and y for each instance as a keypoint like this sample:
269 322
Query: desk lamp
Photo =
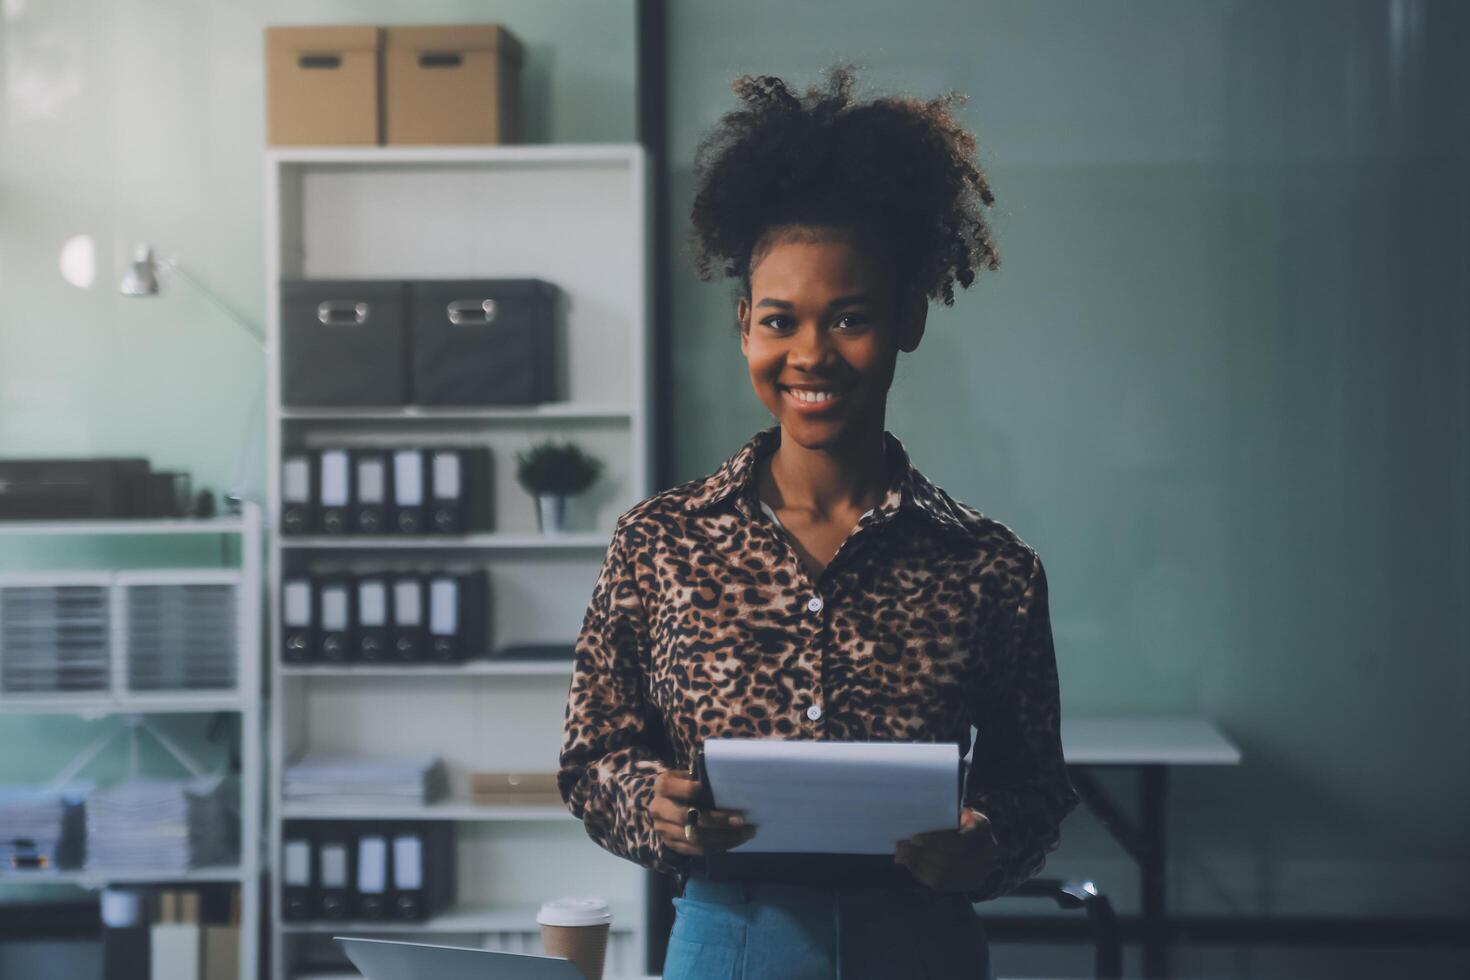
141 278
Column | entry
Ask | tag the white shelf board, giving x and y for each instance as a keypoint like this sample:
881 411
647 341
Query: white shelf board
520 154
90 878
204 525
553 411
494 918
457 810
53 704
470 542
473 668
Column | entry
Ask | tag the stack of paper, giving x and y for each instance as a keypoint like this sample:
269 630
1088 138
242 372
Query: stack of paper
40 829
152 825
345 780
834 797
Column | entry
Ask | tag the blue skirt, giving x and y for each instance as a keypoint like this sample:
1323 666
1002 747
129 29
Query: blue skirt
726 931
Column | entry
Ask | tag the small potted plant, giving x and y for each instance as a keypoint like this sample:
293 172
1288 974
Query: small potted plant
551 472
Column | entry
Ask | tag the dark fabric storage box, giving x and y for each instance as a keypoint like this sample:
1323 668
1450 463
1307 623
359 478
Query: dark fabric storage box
482 342
343 342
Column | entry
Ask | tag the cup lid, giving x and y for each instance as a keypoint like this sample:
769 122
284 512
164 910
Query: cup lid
574 912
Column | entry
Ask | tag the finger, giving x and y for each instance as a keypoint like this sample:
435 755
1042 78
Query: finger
669 810
681 846
955 876
712 836
715 843
721 818
959 848
673 836
923 874
702 840
930 876
676 786
926 864
952 844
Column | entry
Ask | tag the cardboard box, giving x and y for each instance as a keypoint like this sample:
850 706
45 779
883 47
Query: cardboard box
452 85
514 789
323 86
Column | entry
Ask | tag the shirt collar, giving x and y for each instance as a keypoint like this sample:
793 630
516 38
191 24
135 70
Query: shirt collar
907 487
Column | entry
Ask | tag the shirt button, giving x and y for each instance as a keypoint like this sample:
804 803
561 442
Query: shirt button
814 712
814 603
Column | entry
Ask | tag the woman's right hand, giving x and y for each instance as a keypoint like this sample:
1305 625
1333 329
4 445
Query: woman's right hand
714 830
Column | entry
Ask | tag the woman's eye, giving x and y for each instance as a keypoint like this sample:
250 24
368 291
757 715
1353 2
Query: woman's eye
851 321
775 322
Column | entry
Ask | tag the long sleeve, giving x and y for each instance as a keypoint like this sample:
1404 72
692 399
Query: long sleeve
613 744
1018 777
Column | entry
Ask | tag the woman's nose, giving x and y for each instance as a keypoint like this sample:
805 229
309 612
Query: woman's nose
810 346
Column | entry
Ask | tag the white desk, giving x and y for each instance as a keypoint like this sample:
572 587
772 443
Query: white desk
1146 741
1150 746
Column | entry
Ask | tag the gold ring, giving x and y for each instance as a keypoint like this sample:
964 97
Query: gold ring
691 816
688 832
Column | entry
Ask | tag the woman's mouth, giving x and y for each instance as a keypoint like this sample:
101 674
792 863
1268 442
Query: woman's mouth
812 400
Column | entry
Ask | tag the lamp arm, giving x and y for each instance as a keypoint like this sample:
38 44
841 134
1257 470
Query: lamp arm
172 265
243 465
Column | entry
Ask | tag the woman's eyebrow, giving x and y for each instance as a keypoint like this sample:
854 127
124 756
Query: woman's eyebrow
856 300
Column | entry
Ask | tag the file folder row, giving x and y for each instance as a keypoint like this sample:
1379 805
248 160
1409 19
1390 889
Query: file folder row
366 870
439 490
385 618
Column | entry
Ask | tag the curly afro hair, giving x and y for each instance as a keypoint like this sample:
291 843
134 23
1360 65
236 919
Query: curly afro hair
899 168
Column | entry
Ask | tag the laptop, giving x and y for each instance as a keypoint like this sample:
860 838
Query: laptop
384 959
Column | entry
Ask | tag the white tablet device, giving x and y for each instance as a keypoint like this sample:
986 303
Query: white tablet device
382 959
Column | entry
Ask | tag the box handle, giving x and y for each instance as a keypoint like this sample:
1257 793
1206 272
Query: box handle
319 61
440 59
463 312
343 314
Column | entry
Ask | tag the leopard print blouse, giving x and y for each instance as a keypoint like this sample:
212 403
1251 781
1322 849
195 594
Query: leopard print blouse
931 619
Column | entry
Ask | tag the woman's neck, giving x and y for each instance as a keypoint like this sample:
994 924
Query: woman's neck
825 482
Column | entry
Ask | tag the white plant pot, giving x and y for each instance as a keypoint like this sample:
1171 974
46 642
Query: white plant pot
551 512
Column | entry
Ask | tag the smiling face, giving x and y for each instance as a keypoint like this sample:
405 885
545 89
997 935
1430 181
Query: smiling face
821 331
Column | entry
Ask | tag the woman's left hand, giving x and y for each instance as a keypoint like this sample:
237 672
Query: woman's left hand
951 860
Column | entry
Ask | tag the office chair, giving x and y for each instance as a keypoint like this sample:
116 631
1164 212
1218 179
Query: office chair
1107 943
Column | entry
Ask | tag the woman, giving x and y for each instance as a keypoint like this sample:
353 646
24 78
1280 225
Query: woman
816 585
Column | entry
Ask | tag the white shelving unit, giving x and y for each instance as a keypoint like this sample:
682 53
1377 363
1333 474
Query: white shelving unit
572 215
246 700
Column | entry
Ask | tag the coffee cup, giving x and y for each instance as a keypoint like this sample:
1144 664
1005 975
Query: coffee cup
576 929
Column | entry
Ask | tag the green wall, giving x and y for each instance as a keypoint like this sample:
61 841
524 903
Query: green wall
1220 381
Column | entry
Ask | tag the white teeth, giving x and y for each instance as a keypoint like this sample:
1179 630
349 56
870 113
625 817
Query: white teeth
811 397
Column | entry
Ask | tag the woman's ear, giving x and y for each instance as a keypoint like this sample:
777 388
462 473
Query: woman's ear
912 317
742 320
